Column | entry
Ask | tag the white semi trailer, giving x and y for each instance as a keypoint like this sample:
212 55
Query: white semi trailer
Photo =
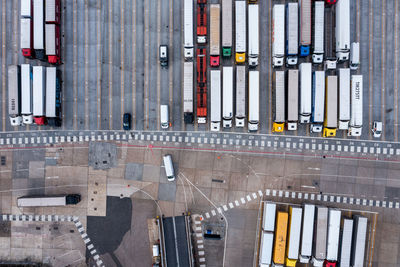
227 97
344 98
253 35
318 105
240 30
278 35
342 30
240 114
226 28
333 235
346 239
188 92
14 95
26 94
307 233
356 118
215 100
292 33
188 29
318 45
305 92
254 100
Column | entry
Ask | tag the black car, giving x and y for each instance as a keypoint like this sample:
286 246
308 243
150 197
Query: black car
127 121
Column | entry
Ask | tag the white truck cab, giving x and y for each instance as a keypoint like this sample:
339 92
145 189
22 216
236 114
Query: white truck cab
354 56
164 116
169 167
377 129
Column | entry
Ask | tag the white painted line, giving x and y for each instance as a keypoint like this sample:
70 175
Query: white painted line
93 251
390 204
351 200
371 150
344 199
364 202
331 198
397 205
254 195
225 207
299 195
260 193
357 201
81 230
84 235
377 203
319 197
293 194
237 203
87 240
213 212
199 241
198 229
219 210
325 198
202 259
371 202
384 150
201 253
231 205
391 152
200 246
312 196
248 198
207 215
96 257
378 150
242 200
267 192
198 235
358 149
305 195
339 148
280 193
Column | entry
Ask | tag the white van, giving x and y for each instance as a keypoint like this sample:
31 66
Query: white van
354 56
164 115
169 168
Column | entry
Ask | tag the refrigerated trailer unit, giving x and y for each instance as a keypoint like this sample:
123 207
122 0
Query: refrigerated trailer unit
305 92
26 94
278 102
26 8
201 85
240 30
188 29
330 56
253 35
318 104
331 107
280 239
53 11
14 95
318 45
215 100
227 97
188 92
307 233
266 246
292 99
38 30
53 43
53 97
268 223
359 241
305 27
278 35
356 116
320 236
39 95
292 33
344 99
240 114
201 23
226 28
342 30
214 34
26 37
333 235
345 243
294 231
254 100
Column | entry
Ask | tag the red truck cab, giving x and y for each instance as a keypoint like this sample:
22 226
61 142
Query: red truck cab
330 2
40 120
329 264
214 61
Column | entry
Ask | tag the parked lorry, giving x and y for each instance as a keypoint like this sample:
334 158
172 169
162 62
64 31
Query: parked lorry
254 100
280 239
293 244
320 236
48 201
330 56
26 94
359 241
227 97
331 107
268 223
53 97
318 104
355 56
266 246
342 30
215 100
26 29
253 35
38 30
201 23
226 28
278 35
292 33
53 43
201 85
188 92
188 29
240 114
53 11
39 95
333 236
278 102
293 100
26 8
318 45
356 116
305 27
344 99
14 95
305 92
307 233
240 30
214 34
346 239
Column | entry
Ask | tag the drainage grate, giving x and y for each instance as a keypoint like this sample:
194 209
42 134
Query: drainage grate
218 181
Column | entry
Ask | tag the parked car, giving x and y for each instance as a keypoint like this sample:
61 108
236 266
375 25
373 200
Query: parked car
377 129
127 119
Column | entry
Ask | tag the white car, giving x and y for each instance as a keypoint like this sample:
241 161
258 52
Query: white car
377 129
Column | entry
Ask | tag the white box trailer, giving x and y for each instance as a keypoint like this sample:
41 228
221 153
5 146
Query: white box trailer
292 33
342 30
359 241
330 55
346 239
266 247
39 91
253 35
38 29
318 45
305 27
52 14
14 95
294 231
344 99
215 21
307 233
268 222
240 114
320 236
53 97
240 30
278 35
318 105
331 107
25 34
48 201
254 100
305 92
26 8
333 235
215 100
355 56
188 92
26 94
356 118
227 28
293 100
188 29
227 97
278 102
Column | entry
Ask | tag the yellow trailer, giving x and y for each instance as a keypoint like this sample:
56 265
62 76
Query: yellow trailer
280 239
